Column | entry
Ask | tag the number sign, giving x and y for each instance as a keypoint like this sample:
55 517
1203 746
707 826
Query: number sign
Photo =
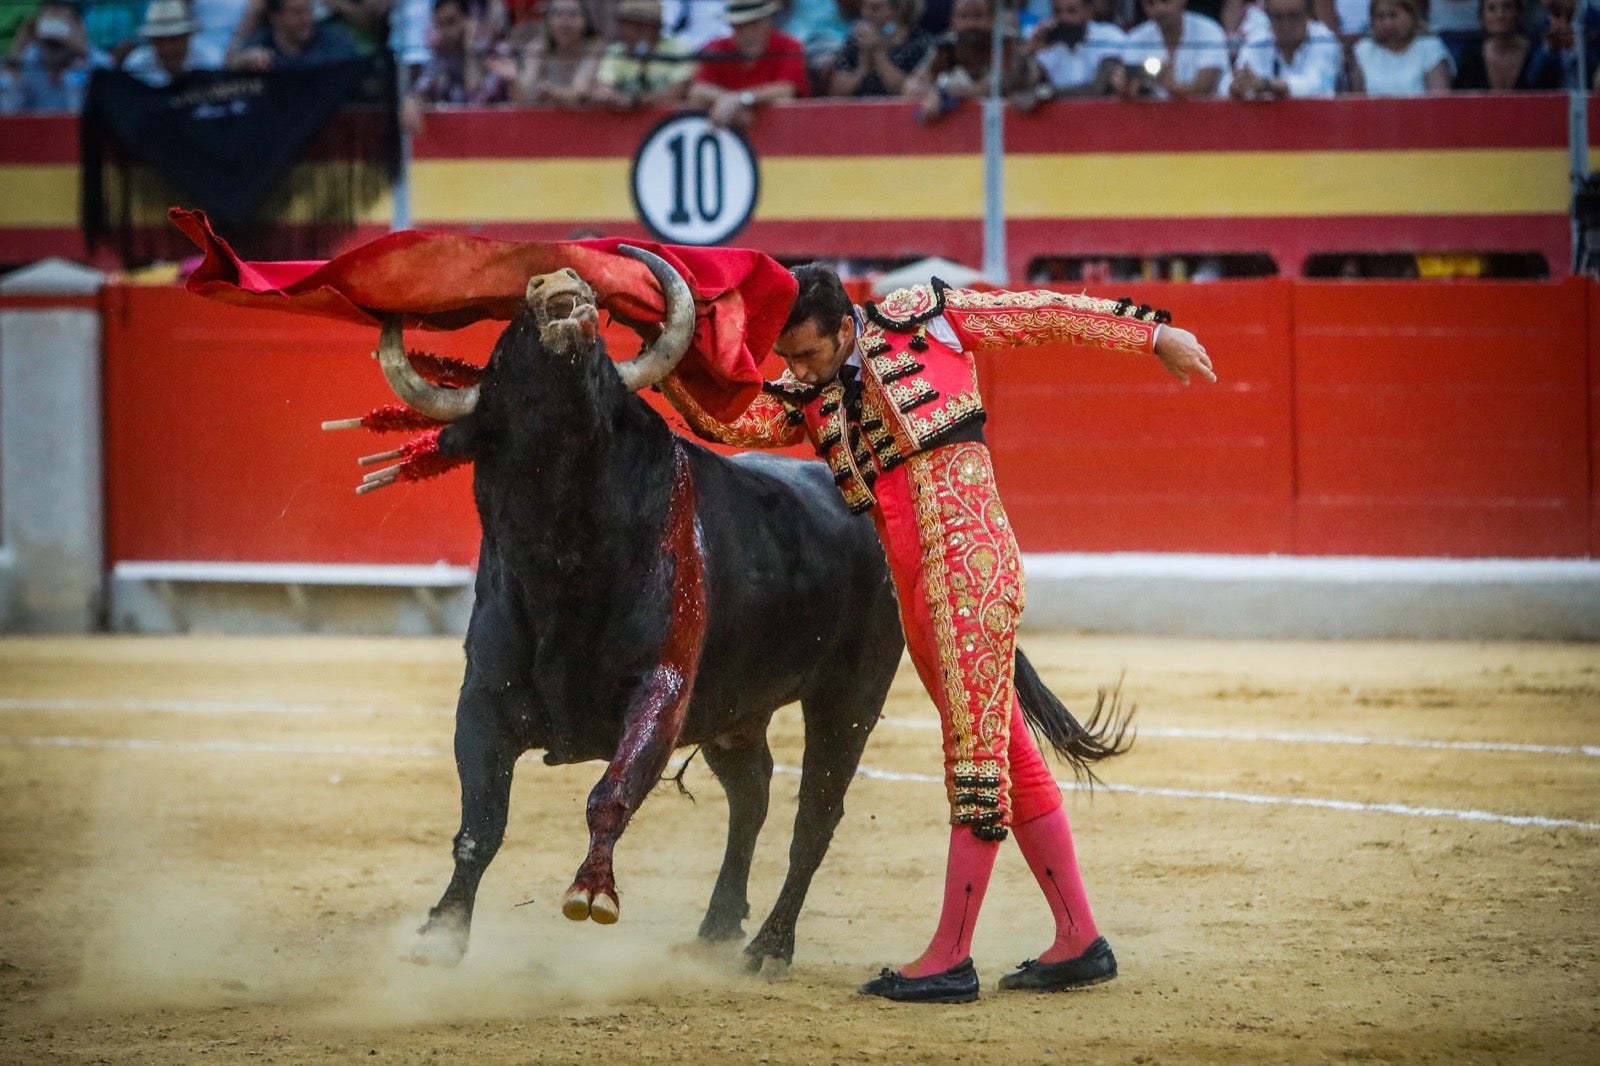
694 183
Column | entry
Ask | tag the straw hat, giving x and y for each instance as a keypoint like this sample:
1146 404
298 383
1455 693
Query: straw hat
741 11
167 18
648 11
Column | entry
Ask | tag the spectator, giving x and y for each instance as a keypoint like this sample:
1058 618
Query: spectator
50 61
958 68
694 22
365 22
752 66
1557 61
170 48
1455 22
1076 55
1506 57
1175 54
111 26
292 38
559 62
884 47
817 25
221 23
642 67
1347 18
1400 58
1297 57
458 70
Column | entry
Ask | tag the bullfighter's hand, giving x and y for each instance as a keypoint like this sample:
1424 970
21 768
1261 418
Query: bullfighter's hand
1183 354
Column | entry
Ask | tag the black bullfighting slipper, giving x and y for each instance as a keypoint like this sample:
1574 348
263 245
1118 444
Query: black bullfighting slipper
1094 966
959 984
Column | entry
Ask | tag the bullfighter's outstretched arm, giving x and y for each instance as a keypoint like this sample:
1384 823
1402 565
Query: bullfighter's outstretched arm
764 424
1004 319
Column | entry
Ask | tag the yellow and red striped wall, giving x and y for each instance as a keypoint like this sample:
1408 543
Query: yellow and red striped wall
1467 172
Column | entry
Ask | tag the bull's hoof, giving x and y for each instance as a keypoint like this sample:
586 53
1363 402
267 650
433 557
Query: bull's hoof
438 943
603 909
577 904
598 907
773 969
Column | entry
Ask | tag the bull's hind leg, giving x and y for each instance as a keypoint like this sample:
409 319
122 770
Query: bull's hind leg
744 766
835 739
485 758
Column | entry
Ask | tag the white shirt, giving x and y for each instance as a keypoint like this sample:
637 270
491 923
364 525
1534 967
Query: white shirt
694 22
1313 69
1399 73
1203 45
142 63
1068 68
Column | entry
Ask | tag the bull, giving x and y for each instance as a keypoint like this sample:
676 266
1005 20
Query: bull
637 593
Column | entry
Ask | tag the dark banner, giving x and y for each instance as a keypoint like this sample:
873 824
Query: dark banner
284 162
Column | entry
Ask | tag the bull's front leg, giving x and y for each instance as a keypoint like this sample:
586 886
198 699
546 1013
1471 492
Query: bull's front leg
655 715
654 725
485 759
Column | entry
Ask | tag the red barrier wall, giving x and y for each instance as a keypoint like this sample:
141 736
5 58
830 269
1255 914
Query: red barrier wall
1441 419
1406 418
1103 452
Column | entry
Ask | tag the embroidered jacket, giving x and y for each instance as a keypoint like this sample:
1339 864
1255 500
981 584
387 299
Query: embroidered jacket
915 391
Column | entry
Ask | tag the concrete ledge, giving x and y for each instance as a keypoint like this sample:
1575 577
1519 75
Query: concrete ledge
1315 597
267 598
1168 595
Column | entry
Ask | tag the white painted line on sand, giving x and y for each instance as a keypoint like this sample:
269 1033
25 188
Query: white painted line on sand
254 747
1256 798
1248 736
229 746
140 706
224 707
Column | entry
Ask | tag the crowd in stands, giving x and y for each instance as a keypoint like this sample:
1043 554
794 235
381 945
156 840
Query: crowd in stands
733 57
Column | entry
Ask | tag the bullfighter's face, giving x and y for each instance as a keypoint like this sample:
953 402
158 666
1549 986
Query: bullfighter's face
814 357
563 305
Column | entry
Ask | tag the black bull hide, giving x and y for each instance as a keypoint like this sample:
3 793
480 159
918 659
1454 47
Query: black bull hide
573 480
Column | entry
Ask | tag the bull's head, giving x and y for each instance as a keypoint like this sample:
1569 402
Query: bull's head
563 306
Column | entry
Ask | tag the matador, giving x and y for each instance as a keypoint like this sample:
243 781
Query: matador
887 394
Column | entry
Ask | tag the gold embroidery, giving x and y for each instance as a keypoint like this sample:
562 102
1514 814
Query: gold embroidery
887 364
955 411
834 443
972 582
903 305
909 392
764 424
1004 319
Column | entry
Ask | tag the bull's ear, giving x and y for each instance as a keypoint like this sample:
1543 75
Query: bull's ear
461 438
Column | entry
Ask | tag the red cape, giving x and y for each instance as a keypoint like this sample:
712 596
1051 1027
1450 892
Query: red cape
446 281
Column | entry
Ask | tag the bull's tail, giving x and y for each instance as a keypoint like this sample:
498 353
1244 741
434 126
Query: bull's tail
1083 744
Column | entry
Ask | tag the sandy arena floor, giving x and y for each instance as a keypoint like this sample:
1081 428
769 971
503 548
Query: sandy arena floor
214 850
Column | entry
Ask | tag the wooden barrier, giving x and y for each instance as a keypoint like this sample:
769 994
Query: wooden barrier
1398 419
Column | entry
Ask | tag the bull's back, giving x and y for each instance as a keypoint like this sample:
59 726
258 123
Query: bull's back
797 587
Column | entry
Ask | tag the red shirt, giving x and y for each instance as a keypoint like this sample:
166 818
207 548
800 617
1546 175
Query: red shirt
783 59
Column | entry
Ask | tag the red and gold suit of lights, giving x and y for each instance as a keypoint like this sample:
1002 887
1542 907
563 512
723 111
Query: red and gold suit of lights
906 448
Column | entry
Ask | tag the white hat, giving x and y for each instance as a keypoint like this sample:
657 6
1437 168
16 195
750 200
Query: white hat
167 18
741 11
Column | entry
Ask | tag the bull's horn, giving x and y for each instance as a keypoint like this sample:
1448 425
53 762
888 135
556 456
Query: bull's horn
657 361
417 392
